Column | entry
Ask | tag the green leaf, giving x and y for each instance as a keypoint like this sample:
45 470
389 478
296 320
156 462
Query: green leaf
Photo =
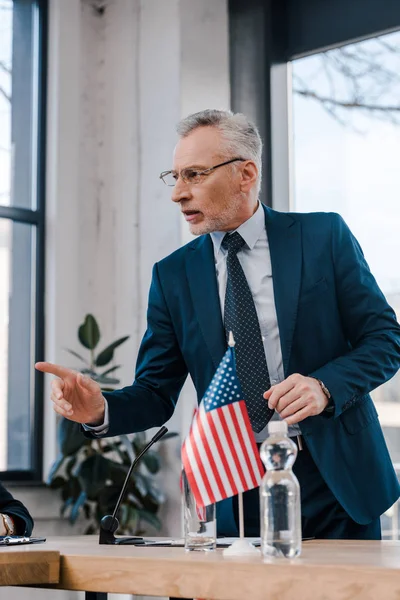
117 473
89 333
76 508
101 380
107 354
76 355
66 505
132 499
126 443
72 489
139 441
70 466
149 518
170 434
89 372
152 461
124 515
142 483
70 437
54 468
150 503
90 530
132 521
107 499
57 482
157 496
92 474
87 510
110 370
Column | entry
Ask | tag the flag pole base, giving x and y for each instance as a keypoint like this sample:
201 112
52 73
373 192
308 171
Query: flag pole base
241 547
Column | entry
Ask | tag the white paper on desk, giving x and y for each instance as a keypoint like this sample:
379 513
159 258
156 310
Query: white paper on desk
227 541
221 542
164 542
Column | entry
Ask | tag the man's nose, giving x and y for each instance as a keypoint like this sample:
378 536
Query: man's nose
181 191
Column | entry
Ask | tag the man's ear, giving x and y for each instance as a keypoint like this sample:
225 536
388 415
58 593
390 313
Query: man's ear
249 175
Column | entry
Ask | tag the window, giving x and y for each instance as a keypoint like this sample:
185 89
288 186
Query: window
22 85
346 113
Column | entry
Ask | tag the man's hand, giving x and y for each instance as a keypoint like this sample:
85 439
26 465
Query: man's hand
75 396
297 398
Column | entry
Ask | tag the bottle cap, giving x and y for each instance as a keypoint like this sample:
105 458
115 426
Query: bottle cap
277 427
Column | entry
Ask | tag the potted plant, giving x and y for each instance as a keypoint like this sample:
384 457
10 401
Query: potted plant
90 473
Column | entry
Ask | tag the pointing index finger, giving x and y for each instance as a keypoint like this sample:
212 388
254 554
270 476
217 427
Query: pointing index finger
57 370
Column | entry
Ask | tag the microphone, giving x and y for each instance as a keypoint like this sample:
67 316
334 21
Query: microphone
109 524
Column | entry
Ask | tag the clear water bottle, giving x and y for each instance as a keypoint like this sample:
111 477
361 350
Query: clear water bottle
279 495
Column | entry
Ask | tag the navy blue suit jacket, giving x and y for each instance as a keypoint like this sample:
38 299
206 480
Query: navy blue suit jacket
334 324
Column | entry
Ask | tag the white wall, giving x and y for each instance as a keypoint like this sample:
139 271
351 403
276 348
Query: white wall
119 80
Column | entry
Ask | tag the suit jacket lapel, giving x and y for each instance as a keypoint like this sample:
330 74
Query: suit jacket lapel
284 239
200 269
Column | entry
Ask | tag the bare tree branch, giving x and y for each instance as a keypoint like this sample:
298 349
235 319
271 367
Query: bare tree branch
346 104
5 68
4 93
363 76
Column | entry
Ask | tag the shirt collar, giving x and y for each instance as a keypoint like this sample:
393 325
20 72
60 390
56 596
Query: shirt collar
250 230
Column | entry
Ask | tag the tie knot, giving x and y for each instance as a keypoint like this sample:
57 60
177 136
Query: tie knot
233 242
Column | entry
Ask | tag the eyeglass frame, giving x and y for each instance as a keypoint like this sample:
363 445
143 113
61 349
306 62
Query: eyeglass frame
203 172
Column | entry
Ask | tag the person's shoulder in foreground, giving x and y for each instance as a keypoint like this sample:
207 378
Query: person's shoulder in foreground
14 516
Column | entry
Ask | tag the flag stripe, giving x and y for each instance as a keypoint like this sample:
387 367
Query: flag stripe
229 447
251 480
228 455
228 426
193 474
190 477
225 471
213 457
202 457
240 447
253 454
197 451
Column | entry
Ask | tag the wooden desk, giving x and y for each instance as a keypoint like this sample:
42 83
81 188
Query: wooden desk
328 570
24 565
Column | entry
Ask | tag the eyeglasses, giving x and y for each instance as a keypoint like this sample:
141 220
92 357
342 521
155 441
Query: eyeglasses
190 175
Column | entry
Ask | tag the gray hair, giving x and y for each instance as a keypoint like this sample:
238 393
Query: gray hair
240 135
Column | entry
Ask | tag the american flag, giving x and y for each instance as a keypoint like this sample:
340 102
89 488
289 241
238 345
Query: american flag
220 455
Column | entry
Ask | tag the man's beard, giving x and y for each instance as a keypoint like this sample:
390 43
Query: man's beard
219 222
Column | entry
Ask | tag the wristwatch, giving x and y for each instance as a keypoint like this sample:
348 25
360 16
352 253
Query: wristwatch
8 524
324 389
331 407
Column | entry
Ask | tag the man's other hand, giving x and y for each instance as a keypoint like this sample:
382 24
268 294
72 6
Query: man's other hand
75 396
296 398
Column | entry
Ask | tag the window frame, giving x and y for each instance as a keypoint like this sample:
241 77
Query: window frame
36 218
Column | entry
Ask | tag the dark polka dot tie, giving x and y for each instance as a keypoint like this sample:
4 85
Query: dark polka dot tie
241 318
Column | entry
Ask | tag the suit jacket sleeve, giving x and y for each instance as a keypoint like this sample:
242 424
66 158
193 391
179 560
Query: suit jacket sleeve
160 373
370 326
16 510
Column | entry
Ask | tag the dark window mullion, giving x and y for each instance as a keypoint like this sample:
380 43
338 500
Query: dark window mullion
22 215
38 414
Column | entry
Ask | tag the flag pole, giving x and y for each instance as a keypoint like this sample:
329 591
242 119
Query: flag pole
241 518
241 546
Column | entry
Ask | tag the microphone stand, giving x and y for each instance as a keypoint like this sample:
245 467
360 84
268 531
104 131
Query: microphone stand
109 524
